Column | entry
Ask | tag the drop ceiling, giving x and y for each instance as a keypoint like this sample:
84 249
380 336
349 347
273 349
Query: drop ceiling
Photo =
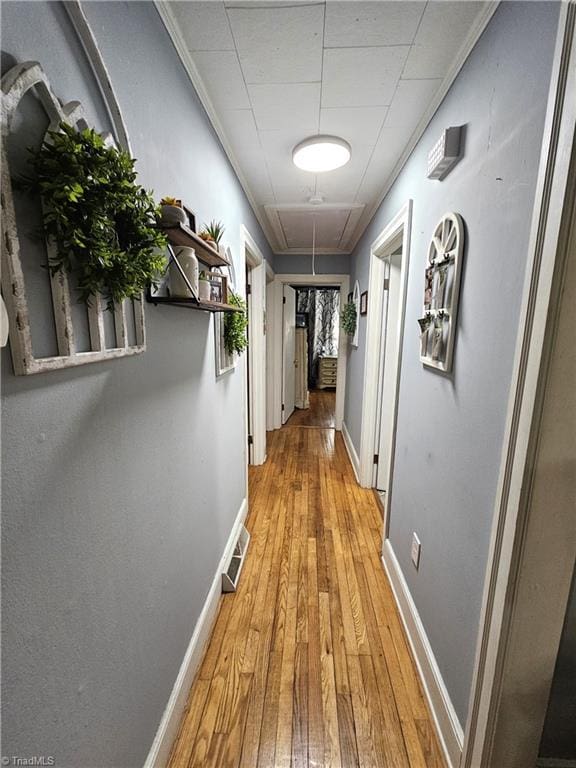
273 73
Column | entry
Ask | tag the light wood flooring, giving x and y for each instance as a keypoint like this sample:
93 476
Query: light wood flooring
308 664
322 411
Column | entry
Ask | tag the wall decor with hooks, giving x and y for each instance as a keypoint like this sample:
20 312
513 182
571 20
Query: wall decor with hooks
99 335
441 293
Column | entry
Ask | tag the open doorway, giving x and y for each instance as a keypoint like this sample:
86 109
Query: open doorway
256 353
384 333
309 352
316 328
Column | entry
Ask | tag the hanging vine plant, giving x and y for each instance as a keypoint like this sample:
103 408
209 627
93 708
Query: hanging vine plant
348 318
235 325
100 219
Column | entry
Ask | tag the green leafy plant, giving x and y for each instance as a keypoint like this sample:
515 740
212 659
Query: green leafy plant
203 275
101 220
235 325
348 318
213 231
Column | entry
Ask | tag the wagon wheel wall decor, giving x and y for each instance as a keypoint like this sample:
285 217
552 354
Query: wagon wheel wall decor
128 317
441 291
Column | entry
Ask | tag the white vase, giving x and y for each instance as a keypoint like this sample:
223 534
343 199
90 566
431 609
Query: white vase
189 263
204 290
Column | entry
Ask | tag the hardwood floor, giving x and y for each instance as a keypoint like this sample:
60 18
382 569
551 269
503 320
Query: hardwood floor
308 664
322 411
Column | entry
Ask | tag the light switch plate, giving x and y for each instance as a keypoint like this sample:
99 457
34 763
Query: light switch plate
415 551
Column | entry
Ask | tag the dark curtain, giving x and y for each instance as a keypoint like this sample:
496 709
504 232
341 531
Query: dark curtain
323 308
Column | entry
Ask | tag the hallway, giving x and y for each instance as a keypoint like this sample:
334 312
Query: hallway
308 663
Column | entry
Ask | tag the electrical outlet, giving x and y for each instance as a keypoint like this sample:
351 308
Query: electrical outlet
415 551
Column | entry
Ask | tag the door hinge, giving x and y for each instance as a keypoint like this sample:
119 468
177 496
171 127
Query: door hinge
375 458
387 284
248 289
283 407
250 440
283 299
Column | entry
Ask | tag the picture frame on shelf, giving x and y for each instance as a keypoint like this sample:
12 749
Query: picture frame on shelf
364 303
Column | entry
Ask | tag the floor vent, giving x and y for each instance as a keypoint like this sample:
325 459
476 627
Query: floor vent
231 578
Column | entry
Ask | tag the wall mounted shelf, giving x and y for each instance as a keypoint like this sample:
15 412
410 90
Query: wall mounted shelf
206 306
180 234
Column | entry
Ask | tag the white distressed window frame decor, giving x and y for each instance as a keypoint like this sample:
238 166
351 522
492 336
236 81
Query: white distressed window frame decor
445 252
356 301
225 362
15 84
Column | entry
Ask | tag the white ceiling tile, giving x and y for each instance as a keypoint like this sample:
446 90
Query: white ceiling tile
240 129
359 77
253 164
279 44
222 77
204 25
341 185
410 102
360 126
293 105
445 21
431 61
390 146
371 23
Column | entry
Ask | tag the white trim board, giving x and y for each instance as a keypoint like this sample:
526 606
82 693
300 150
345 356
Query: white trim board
448 728
170 722
350 450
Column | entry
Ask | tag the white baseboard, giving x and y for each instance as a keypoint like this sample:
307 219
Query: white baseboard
554 762
168 728
449 730
351 450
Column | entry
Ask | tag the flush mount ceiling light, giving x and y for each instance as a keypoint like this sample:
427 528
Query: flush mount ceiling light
321 153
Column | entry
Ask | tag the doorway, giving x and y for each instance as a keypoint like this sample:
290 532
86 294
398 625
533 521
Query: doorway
389 259
283 340
255 267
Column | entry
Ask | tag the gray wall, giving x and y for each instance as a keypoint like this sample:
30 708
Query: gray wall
121 481
450 428
559 737
301 264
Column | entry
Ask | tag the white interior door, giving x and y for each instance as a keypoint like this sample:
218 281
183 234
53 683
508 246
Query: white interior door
289 353
389 373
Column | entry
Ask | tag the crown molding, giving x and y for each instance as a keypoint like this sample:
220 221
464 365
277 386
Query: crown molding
173 29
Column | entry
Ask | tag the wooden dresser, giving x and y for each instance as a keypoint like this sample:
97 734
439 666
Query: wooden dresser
327 370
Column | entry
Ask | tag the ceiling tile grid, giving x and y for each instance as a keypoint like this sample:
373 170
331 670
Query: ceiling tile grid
278 71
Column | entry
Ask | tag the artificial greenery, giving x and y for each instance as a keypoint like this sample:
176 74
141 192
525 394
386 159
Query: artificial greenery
100 219
348 318
213 231
235 325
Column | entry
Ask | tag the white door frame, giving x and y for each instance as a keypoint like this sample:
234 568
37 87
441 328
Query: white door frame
532 547
399 226
252 256
278 291
269 333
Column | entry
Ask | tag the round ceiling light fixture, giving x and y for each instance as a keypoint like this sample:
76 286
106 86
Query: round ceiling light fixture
321 153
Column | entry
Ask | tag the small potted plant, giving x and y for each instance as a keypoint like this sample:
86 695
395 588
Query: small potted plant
349 319
203 286
212 233
172 212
